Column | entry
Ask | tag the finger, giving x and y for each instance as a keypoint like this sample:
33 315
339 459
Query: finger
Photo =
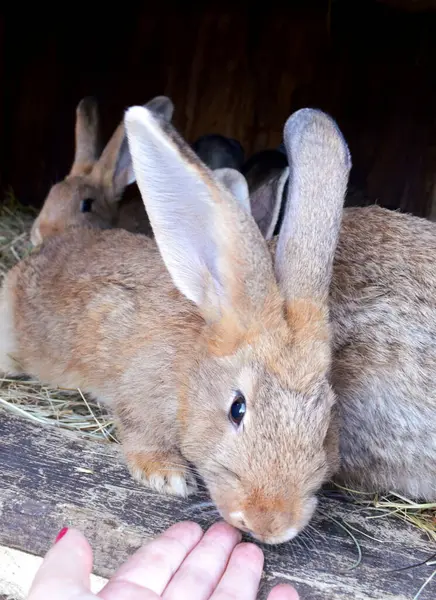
65 570
242 577
283 591
201 571
153 565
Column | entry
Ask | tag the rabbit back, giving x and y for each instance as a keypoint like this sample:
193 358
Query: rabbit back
383 316
383 311
82 294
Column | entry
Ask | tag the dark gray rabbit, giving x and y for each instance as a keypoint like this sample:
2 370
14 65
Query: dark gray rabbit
219 152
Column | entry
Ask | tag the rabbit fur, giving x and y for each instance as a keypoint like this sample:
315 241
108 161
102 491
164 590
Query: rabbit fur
97 178
169 331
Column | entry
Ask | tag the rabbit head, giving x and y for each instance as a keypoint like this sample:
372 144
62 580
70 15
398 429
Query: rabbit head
267 176
218 151
255 407
90 195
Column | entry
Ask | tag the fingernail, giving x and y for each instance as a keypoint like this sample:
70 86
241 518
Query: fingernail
61 534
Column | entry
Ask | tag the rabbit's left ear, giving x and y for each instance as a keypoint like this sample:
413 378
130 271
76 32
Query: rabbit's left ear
320 164
210 244
87 136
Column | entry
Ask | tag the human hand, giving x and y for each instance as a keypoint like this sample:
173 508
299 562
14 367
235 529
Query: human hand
182 563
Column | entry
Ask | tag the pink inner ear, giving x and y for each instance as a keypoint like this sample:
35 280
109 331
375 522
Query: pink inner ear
265 206
84 168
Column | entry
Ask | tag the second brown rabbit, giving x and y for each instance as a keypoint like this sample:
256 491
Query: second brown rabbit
92 193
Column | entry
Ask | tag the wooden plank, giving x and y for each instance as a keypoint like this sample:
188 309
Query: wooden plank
51 478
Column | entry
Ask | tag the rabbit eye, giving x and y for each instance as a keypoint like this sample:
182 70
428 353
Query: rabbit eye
238 408
85 205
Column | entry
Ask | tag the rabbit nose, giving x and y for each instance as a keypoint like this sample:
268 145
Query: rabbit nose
264 527
261 530
237 520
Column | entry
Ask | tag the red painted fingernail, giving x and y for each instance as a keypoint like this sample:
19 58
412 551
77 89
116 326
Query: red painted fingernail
61 534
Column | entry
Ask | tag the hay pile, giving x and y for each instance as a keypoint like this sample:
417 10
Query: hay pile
422 516
15 223
71 410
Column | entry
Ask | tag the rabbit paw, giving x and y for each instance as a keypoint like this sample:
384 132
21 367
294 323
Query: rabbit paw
164 473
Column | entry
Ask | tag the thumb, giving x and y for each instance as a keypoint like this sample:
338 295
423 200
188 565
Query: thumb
65 570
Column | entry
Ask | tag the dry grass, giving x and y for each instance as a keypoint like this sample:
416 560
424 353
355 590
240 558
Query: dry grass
70 409
422 516
15 223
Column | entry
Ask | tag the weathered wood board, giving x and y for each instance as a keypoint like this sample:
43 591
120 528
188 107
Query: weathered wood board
51 478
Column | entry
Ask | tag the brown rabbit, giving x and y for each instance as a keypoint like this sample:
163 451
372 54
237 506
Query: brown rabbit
209 356
92 193
383 315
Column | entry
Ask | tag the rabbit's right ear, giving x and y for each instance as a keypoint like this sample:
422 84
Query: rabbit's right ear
210 244
236 183
320 164
114 167
87 136
162 107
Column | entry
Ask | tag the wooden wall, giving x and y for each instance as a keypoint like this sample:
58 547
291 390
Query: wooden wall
237 69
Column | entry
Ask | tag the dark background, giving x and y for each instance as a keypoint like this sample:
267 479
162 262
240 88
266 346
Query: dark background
239 69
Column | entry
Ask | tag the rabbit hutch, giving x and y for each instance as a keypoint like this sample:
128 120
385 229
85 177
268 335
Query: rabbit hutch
236 69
